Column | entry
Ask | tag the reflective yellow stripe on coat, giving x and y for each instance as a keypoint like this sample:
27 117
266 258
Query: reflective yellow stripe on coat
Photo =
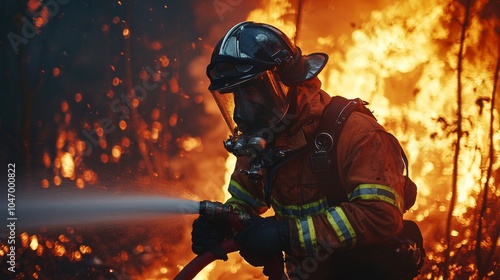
377 192
237 191
296 211
307 234
343 228
338 221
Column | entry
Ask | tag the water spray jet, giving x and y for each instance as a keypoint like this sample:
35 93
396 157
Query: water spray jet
69 209
87 209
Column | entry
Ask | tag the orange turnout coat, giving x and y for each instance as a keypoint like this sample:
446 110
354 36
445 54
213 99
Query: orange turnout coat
367 210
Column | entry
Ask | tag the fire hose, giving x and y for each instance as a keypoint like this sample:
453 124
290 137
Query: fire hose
216 211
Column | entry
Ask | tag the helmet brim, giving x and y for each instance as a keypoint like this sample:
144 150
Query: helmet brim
313 65
306 68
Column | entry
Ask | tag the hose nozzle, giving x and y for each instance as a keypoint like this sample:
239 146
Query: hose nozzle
214 211
217 211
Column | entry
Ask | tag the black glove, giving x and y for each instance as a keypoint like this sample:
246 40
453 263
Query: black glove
263 238
207 236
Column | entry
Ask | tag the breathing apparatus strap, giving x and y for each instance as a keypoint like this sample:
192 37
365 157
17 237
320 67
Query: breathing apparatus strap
339 109
324 141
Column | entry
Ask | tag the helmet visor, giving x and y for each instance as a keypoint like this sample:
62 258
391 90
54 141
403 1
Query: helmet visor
225 71
253 104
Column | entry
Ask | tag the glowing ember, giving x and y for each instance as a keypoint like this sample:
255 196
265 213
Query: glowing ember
172 121
76 256
80 183
116 151
104 158
155 114
143 74
80 146
164 61
125 142
78 97
46 159
67 166
126 33
56 71
34 243
174 85
64 106
156 46
57 180
59 249
122 124
190 143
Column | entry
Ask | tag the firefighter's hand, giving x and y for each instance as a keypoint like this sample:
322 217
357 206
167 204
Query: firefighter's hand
207 236
262 239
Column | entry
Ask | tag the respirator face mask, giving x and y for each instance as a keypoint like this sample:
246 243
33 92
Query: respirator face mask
255 111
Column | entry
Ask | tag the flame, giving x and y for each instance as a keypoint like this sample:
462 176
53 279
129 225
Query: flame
274 13
403 60
378 67
416 88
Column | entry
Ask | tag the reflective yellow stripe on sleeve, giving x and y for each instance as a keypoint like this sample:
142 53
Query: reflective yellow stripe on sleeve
342 226
377 192
307 234
237 191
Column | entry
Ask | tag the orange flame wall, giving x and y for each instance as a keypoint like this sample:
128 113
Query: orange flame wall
403 61
403 58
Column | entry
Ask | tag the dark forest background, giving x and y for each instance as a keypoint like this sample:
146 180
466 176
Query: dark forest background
70 72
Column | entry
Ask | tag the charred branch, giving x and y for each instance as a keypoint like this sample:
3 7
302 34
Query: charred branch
483 266
467 6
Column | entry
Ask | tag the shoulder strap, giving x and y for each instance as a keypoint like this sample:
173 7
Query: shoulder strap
324 158
327 134
340 109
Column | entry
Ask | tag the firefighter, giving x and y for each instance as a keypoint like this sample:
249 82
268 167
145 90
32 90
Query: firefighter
330 223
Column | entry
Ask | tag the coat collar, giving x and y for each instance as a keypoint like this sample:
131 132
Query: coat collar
311 100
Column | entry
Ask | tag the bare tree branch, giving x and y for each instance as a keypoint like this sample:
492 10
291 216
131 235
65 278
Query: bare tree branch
482 267
451 208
